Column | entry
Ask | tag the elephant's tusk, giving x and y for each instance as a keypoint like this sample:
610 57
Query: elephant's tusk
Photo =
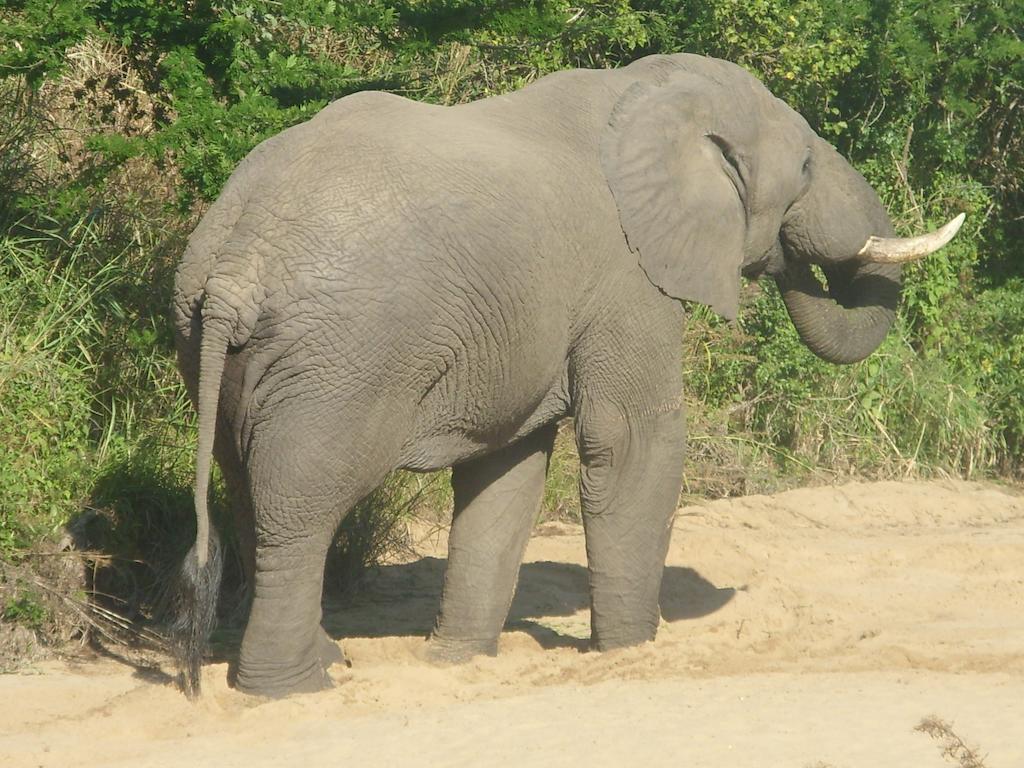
898 250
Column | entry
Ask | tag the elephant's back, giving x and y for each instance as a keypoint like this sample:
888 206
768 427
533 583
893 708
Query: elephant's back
378 191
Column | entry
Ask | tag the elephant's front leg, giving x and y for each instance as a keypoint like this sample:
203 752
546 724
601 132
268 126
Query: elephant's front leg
631 436
496 502
629 489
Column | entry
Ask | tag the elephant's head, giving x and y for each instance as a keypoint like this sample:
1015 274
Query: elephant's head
714 177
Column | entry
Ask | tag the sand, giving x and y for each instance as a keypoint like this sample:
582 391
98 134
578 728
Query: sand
816 627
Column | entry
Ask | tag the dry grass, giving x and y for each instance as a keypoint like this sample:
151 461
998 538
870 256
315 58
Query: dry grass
48 607
100 90
101 94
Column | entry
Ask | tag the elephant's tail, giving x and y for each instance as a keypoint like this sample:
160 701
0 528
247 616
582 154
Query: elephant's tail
198 585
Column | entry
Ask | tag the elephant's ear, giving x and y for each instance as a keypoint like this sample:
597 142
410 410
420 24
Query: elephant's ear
679 189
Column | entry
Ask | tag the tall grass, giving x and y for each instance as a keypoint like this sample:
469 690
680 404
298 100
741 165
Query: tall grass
49 329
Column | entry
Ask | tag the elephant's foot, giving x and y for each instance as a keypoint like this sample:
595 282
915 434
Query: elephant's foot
276 683
625 635
446 650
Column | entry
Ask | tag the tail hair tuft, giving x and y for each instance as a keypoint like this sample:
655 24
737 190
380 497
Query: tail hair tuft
194 604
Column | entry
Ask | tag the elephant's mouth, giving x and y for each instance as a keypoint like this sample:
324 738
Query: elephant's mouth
771 263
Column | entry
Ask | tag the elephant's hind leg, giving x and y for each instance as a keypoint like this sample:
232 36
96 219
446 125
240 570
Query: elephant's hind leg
496 502
299 498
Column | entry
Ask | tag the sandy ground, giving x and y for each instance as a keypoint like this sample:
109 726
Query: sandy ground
812 628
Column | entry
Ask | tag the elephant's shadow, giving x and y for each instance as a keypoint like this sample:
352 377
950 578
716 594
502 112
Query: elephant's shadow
403 600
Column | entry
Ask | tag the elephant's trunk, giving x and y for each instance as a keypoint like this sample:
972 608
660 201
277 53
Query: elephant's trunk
840 224
848 321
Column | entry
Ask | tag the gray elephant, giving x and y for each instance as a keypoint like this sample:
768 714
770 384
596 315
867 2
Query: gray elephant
399 285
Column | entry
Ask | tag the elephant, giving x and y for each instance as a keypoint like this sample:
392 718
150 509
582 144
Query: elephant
399 285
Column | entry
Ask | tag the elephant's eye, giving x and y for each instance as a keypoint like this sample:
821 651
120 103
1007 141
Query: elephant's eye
806 170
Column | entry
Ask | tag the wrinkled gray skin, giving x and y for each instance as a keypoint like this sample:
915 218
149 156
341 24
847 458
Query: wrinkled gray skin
399 285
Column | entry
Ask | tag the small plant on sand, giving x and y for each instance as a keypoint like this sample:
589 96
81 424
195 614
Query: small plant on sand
953 747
